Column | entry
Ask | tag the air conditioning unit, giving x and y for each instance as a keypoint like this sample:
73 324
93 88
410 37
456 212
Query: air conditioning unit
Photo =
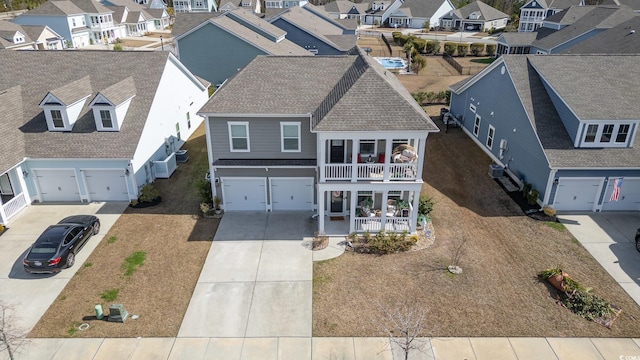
496 171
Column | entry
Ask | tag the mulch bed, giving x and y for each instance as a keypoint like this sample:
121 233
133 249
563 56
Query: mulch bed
532 211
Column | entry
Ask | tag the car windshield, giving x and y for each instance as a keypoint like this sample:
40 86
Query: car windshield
49 241
45 248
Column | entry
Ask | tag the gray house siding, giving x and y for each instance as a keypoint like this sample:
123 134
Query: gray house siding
214 54
58 24
303 39
569 120
264 139
497 103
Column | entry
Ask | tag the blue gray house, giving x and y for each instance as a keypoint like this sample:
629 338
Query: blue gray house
567 134
315 32
217 46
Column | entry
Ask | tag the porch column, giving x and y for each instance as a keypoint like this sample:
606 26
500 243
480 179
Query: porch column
322 154
421 155
352 211
387 157
321 199
414 212
355 150
383 210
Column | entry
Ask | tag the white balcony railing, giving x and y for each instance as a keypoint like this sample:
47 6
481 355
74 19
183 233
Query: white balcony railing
374 224
14 205
373 172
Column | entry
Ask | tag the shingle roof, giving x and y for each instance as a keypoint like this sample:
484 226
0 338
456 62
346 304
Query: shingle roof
8 30
343 6
55 7
600 17
621 39
517 38
12 147
615 75
634 4
487 13
246 17
422 8
120 91
343 93
569 15
184 22
73 91
35 73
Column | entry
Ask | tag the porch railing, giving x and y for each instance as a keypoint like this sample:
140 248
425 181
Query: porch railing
373 171
374 224
14 205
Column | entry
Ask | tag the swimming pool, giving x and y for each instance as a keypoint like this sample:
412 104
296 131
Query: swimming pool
392 62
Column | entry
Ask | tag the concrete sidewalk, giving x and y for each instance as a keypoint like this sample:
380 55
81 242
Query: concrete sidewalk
286 348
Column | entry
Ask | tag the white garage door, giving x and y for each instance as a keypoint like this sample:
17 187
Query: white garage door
106 185
576 194
629 198
57 185
291 193
244 193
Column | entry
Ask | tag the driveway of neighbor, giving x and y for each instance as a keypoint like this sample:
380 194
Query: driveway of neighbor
32 294
256 281
610 238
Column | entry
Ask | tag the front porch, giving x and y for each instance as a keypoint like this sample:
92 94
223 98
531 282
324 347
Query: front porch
346 209
12 196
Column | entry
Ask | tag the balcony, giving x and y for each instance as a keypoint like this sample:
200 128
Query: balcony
370 172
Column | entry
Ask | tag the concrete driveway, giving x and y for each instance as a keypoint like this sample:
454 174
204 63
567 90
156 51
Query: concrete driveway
31 294
256 281
610 238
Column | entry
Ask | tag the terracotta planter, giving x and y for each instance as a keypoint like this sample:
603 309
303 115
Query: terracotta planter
557 281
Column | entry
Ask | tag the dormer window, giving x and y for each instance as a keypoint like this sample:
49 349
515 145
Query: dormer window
56 119
606 135
62 106
111 104
105 117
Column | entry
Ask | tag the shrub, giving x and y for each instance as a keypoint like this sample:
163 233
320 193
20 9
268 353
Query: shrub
449 48
385 243
477 49
419 63
419 44
203 187
396 36
1 228
432 47
148 193
117 47
463 49
549 211
532 197
588 305
491 49
420 97
425 206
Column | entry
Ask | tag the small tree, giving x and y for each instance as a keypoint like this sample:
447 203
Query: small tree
432 47
404 324
419 63
420 97
477 49
463 49
449 48
419 44
426 26
491 49
11 337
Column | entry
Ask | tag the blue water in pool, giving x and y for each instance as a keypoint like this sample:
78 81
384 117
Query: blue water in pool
391 63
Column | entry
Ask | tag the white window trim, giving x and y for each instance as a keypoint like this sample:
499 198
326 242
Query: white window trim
111 118
246 125
289 123
613 142
476 125
490 137
472 108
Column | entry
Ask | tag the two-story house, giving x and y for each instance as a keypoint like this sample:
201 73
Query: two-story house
217 46
533 12
138 19
283 4
344 9
80 22
350 147
180 6
475 16
568 135
91 126
253 5
416 14
28 37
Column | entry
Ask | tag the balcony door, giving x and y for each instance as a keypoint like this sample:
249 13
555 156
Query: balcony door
337 202
337 152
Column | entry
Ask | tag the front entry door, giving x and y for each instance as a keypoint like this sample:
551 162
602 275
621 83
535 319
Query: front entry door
337 151
337 202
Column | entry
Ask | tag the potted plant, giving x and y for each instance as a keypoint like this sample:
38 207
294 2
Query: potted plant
216 204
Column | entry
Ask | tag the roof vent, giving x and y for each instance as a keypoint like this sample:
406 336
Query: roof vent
632 32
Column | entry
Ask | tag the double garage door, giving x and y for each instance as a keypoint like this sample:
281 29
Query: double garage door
254 193
62 185
584 194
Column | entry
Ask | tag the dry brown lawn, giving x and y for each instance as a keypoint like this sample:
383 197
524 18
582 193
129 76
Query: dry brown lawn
497 294
176 242
135 43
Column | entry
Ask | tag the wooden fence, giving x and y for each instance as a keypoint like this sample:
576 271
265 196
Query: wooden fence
462 70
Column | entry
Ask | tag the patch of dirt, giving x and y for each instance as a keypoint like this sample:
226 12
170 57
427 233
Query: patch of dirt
497 294
176 241
135 43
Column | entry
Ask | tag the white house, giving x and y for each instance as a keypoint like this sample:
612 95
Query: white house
91 126
28 37
533 12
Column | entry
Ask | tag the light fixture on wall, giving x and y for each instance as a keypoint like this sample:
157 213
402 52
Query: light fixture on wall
25 173
126 171
555 181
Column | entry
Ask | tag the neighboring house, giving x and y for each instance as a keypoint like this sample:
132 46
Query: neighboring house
567 28
216 48
314 32
567 134
323 133
621 39
514 43
344 9
28 37
475 16
533 12
416 13
283 4
180 6
80 22
91 126
138 19
634 4
253 5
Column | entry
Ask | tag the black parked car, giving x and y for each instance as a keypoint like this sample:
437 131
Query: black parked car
638 239
56 248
